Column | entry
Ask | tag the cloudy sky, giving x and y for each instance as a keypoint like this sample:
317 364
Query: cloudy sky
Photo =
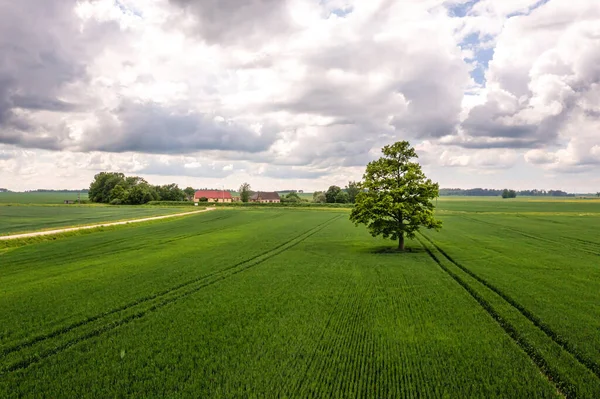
299 93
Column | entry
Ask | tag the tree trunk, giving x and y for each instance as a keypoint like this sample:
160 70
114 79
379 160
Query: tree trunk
401 242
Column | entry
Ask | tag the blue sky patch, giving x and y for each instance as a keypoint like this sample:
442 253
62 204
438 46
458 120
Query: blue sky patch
126 10
342 12
461 10
481 56
529 10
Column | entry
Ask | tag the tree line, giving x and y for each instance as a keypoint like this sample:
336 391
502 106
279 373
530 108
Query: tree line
509 193
338 195
118 189
485 192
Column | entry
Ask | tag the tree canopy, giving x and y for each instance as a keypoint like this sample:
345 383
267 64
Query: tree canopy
116 188
189 193
509 193
319 197
352 189
245 192
291 197
395 197
331 194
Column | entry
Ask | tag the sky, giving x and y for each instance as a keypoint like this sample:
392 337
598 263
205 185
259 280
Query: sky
299 94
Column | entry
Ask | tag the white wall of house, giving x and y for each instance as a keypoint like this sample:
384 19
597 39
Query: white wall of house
214 200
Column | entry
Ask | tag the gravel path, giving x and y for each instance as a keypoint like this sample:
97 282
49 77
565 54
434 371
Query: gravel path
93 226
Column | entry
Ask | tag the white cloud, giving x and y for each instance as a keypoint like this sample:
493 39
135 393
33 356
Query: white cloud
296 88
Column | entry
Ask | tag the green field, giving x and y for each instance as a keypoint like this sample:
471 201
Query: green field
503 302
57 197
524 205
16 219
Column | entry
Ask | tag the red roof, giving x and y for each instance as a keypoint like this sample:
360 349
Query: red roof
265 196
210 194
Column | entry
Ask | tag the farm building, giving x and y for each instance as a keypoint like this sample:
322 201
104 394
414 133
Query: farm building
213 195
262 196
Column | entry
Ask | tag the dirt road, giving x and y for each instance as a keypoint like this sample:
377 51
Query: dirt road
93 226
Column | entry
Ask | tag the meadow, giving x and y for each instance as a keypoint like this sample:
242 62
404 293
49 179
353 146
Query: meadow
56 197
503 302
18 219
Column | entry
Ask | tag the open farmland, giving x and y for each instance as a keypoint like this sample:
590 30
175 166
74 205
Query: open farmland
503 302
16 219
56 197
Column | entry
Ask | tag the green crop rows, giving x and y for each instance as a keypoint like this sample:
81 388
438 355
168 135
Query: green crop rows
56 197
17 219
300 303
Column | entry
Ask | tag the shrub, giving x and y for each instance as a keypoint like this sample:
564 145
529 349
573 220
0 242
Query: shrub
171 203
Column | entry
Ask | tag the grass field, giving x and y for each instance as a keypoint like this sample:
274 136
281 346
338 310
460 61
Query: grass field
16 219
40 198
300 303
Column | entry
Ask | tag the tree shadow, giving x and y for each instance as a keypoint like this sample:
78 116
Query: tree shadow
387 250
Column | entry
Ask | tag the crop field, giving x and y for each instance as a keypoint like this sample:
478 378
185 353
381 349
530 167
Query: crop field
16 219
503 302
57 197
522 205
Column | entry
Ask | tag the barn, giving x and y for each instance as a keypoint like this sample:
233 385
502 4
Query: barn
262 196
213 195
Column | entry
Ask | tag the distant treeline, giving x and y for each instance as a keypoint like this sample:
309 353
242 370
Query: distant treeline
46 190
486 192
118 189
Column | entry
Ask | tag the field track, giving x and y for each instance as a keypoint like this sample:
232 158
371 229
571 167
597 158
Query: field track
109 320
290 303
94 226
500 306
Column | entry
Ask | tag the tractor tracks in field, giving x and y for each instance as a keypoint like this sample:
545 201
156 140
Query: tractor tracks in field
542 239
24 354
491 298
98 225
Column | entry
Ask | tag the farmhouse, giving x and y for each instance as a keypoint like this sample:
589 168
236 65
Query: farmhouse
213 195
262 196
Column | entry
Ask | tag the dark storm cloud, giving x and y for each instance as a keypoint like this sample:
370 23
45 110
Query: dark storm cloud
481 143
491 125
282 172
150 128
235 21
25 139
42 49
40 103
485 121
422 91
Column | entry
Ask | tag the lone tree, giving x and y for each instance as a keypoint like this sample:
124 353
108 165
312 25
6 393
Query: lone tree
189 193
245 192
395 198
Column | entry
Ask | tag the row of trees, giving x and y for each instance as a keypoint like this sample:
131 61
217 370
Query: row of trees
486 192
509 193
118 189
49 190
337 195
